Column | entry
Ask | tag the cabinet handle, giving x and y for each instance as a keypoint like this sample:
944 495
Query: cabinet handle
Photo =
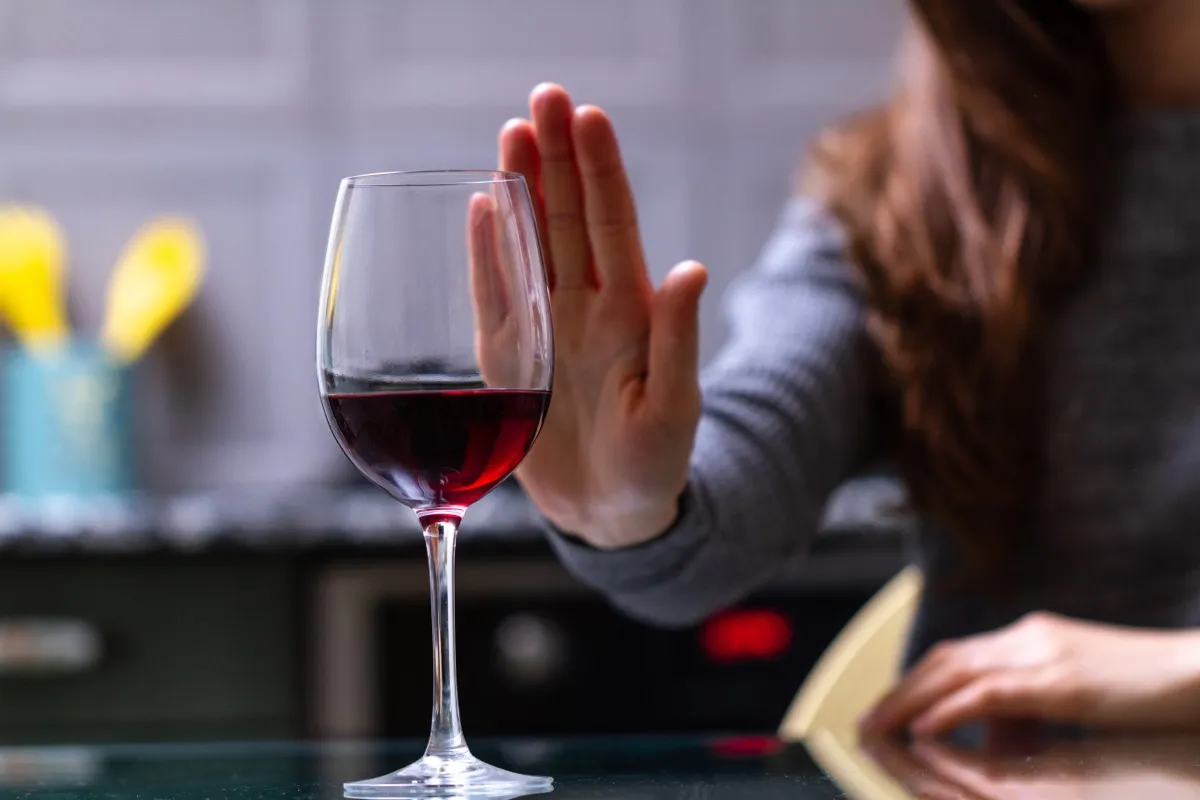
37 645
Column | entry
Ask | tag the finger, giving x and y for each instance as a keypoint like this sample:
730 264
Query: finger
1018 694
892 755
488 288
519 153
945 791
897 760
956 768
608 204
674 352
561 190
946 669
996 765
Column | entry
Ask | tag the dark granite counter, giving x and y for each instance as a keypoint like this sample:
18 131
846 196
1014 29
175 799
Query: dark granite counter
859 521
645 768
290 520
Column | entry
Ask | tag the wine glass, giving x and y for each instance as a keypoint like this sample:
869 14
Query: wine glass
435 356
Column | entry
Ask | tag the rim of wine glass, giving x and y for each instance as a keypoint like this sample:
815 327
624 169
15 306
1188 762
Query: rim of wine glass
418 178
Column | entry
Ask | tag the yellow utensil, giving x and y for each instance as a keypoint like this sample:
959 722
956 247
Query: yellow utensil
32 259
156 277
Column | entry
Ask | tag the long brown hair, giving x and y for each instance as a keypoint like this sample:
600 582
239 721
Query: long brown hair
971 201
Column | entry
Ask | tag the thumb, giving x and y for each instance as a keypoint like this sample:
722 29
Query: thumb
675 336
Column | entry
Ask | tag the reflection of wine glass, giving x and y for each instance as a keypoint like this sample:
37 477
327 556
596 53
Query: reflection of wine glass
435 356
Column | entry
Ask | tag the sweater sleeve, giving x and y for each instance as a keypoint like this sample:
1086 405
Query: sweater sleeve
785 421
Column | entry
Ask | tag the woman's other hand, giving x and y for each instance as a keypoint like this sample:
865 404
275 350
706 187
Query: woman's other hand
1047 667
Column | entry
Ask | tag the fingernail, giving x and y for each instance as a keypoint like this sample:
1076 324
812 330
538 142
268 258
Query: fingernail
543 86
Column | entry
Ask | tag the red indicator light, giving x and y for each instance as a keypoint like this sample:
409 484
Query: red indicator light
746 636
746 747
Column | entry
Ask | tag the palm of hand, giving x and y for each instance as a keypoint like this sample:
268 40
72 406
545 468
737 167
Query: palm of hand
601 438
612 456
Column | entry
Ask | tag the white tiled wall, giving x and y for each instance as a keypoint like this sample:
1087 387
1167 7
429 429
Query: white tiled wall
247 112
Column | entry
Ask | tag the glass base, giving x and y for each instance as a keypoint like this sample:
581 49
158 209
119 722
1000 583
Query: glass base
459 776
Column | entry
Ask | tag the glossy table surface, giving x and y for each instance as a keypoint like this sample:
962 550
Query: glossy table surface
826 766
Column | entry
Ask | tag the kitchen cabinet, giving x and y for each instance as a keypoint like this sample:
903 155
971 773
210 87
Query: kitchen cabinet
188 647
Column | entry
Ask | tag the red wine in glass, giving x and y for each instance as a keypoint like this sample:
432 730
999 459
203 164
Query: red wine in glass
434 448
435 363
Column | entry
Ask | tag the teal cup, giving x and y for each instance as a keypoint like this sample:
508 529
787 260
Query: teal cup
67 424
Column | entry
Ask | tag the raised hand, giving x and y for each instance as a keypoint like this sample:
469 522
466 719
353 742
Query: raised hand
612 459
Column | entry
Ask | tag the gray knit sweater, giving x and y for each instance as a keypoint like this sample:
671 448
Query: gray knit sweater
786 421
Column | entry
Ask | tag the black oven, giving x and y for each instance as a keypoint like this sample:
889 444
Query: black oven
539 654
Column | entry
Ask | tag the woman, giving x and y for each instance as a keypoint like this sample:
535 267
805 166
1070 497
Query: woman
993 279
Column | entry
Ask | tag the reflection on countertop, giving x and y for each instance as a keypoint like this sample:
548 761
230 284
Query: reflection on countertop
624 768
1015 762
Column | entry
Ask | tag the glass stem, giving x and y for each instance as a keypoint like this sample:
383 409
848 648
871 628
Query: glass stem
445 735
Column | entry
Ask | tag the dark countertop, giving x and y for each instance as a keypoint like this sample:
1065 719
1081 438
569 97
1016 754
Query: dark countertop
297 519
626 768
263 519
360 516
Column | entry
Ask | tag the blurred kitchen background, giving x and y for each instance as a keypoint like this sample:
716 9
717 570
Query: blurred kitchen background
254 587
